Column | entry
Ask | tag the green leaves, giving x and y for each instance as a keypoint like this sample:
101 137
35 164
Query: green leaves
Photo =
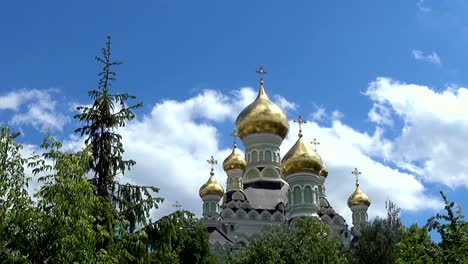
308 240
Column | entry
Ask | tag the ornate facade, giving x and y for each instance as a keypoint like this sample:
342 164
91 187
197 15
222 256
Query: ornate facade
263 188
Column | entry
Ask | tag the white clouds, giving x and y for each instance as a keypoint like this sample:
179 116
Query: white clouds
342 148
431 58
172 143
40 109
431 141
284 104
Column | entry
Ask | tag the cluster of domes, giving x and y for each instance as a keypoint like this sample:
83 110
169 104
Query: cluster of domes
235 160
262 116
358 197
302 158
211 187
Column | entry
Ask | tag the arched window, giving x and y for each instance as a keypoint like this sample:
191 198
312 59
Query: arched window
308 195
260 155
297 195
206 207
268 155
254 156
230 183
213 207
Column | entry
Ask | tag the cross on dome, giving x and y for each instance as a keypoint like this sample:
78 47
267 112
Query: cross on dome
300 121
356 173
212 162
234 135
261 71
315 143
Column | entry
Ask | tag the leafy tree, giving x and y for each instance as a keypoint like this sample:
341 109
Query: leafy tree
416 246
179 238
453 231
16 207
307 241
109 112
377 241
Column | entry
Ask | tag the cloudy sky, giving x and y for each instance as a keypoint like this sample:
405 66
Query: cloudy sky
382 86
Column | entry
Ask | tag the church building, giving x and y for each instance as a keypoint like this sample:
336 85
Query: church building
263 188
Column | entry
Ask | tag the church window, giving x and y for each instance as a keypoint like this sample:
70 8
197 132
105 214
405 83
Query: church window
261 155
308 195
230 183
297 195
254 156
213 207
206 207
268 155
231 227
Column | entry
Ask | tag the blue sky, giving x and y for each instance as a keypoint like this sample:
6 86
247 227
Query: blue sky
321 57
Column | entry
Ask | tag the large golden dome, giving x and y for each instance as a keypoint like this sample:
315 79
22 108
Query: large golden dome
212 187
235 160
262 116
358 198
301 158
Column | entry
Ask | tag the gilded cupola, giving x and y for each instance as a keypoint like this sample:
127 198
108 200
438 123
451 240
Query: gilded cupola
262 116
212 186
358 197
302 158
235 160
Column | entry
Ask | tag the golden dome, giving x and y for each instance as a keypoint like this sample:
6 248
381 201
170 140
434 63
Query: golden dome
301 158
212 187
358 197
262 116
324 171
235 160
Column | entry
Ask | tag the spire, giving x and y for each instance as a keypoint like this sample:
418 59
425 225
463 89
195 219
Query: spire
300 122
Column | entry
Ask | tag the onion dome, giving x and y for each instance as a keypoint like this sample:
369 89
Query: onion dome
301 158
324 171
262 116
211 187
235 160
358 197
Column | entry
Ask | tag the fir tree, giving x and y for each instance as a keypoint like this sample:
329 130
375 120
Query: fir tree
109 112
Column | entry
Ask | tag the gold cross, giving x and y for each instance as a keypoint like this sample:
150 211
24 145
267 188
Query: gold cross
315 143
212 162
300 121
234 135
356 173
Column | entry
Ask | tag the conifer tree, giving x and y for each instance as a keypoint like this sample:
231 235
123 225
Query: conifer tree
102 119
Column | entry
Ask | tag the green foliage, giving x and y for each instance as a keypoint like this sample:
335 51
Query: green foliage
307 241
453 231
179 238
416 246
378 239
16 207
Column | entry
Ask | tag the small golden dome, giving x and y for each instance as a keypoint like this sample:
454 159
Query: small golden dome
324 171
262 116
301 158
212 186
235 160
358 198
